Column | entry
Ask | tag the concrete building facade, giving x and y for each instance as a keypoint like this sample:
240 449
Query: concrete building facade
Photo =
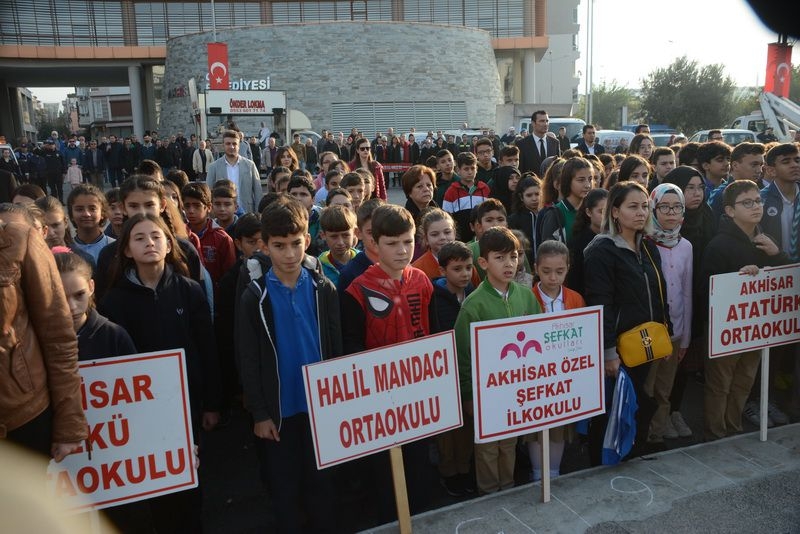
349 83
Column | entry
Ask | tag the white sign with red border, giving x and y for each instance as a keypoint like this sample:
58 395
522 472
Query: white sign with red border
536 372
753 312
371 401
140 433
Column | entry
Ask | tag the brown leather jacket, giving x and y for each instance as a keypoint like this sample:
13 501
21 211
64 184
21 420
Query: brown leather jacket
38 347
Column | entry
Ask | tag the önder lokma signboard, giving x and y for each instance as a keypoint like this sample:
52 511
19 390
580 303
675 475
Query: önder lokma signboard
536 372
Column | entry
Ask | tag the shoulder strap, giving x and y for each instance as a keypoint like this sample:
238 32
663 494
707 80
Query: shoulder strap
658 277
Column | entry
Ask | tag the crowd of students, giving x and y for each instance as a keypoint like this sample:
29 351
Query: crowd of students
323 266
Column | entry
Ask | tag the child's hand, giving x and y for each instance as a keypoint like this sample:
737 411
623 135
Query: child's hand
266 430
59 451
210 420
681 354
750 270
612 367
766 245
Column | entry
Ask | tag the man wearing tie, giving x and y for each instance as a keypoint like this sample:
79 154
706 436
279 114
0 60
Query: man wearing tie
534 148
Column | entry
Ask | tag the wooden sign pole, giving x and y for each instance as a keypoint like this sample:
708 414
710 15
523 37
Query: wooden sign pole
400 490
545 442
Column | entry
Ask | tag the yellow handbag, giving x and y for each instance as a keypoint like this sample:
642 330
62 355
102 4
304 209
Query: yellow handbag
648 341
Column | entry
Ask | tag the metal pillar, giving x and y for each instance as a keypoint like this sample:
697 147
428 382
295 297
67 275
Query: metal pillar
137 101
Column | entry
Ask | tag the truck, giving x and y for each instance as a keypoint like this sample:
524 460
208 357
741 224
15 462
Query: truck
778 113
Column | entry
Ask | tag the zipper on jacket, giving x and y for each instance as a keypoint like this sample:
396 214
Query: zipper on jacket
274 350
647 282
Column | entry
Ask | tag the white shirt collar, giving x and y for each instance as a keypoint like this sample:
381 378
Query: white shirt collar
552 304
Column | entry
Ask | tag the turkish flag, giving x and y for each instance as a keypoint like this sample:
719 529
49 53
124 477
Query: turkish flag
218 66
779 69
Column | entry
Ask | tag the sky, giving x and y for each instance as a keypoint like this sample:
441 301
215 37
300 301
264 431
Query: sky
632 38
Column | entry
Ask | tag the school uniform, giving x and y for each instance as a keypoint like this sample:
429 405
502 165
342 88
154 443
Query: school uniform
729 379
494 461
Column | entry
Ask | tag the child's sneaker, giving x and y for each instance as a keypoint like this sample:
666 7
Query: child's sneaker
752 412
453 485
776 415
680 426
670 432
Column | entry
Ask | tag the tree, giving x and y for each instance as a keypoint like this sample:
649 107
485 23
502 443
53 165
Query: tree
687 96
794 85
607 103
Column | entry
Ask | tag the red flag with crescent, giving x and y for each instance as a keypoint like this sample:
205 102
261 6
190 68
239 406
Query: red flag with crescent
218 66
779 69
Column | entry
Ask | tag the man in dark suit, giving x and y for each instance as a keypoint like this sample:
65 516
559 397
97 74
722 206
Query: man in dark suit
587 145
534 148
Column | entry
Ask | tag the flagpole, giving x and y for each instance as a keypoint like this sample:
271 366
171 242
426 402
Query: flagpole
213 22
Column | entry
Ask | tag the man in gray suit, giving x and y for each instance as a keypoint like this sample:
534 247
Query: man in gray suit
239 170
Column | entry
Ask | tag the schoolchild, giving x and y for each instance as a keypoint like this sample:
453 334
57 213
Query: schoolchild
525 209
224 206
484 150
279 179
301 187
142 194
575 183
87 209
161 308
450 289
667 205
116 215
714 159
437 230
97 338
588 220
338 225
339 197
354 184
488 214
445 174
552 265
389 303
523 277
218 253
332 180
497 297
504 184
509 156
463 195
288 318
739 246
369 250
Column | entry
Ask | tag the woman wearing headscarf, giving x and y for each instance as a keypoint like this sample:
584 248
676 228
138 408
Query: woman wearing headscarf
698 228
667 206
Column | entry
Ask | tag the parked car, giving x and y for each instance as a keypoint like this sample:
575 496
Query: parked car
662 139
305 134
610 138
730 135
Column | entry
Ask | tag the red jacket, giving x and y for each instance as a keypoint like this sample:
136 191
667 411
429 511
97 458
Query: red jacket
381 311
217 251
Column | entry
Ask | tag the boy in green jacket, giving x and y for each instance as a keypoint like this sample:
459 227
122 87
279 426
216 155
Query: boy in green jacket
497 297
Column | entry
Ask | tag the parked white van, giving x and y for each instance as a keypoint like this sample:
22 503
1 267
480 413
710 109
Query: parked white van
573 125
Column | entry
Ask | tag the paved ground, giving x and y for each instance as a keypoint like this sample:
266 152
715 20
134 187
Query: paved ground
734 485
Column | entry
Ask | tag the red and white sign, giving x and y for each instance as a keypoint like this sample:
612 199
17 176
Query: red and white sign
752 312
218 75
779 69
371 401
244 102
536 372
140 433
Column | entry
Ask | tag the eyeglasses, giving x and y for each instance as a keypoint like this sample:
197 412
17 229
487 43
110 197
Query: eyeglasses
363 148
665 209
484 152
750 202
